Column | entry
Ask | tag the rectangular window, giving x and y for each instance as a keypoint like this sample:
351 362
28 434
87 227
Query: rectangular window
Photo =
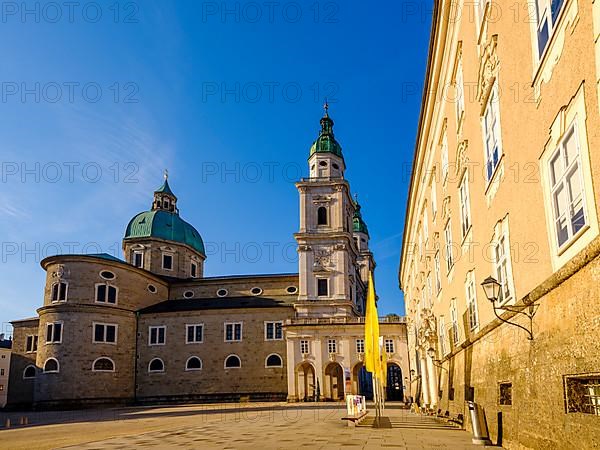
547 15
444 157
442 334
472 300
59 292
138 259
194 270
425 225
54 332
1 372
106 294
304 348
360 346
465 206
460 93
449 244
31 344
491 133
454 318
105 333
194 334
505 394
167 262
566 183
233 332
438 273
389 345
157 335
433 199
322 287
583 394
502 253
273 331
331 346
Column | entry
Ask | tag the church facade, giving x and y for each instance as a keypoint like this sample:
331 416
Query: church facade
153 328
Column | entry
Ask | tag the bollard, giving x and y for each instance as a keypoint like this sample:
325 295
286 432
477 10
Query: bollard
481 435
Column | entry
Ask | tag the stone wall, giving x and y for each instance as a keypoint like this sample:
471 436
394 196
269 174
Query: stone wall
20 391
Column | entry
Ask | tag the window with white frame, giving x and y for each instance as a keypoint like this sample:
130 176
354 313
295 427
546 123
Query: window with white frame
104 333
331 346
454 318
566 183
471 296
194 334
438 273
304 347
389 345
54 331
167 261
547 15
157 335
449 244
273 331
502 254
138 258
460 92
360 346
233 332
491 132
106 293
465 207
31 344
444 157
442 334
59 292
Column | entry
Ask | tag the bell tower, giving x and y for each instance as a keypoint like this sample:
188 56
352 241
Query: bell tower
328 254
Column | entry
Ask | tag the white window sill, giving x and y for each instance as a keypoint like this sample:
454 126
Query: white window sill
567 245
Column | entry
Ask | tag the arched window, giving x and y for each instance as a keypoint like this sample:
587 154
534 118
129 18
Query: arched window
322 216
273 360
106 293
51 366
103 365
29 372
233 362
193 363
156 365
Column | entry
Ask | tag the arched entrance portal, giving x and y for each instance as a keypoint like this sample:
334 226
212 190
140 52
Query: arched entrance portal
394 389
363 381
305 382
334 382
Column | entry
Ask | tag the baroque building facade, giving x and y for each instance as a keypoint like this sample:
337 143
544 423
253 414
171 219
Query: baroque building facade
153 328
505 185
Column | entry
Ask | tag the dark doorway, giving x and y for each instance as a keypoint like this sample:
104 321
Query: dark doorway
394 390
364 381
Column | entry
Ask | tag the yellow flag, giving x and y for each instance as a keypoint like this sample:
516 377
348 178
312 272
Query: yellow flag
372 354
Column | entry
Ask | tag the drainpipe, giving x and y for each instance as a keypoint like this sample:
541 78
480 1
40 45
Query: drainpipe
135 357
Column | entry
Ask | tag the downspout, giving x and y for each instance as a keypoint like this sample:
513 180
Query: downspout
135 358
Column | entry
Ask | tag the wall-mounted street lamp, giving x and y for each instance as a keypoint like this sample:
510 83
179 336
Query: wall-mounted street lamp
491 287
436 362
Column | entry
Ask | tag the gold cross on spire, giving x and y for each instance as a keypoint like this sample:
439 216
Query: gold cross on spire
166 175
326 107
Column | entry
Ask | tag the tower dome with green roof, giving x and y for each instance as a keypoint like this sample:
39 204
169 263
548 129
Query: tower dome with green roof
163 222
359 224
326 142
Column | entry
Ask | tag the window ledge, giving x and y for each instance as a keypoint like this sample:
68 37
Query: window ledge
566 246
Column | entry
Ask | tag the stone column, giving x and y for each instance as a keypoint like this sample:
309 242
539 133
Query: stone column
432 380
424 381
291 375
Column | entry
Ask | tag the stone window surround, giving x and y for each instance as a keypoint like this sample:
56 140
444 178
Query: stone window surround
232 355
304 346
274 323
62 329
58 299
502 230
187 326
51 371
388 345
34 343
233 324
470 282
157 327
106 302
271 367
156 371
133 259
188 369
102 370
105 324
34 372
332 346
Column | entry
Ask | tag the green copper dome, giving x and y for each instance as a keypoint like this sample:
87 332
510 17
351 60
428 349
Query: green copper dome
164 225
326 142
359 224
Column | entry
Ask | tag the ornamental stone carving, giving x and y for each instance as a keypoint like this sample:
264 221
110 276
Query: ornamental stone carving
488 69
462 160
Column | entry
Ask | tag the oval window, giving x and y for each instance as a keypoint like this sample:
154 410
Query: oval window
152 289
292 290
335 166
107 275
323 163
256 291
188 294
222 292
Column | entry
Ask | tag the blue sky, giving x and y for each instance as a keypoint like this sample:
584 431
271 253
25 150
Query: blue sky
97 101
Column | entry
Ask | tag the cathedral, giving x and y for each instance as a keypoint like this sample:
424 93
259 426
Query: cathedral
152 328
